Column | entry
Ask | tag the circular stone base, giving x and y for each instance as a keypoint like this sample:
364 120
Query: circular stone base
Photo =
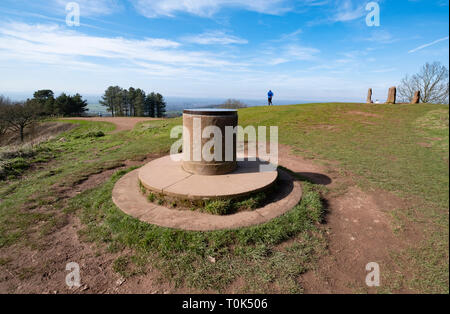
128 197
167 177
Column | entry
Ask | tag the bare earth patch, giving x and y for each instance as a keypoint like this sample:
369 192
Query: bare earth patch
358 227
365 114
41 269
426 145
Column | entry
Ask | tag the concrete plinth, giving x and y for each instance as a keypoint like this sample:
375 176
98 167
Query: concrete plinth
128 197
165 176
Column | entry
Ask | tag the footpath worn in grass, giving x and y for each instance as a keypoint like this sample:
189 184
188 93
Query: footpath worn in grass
399 148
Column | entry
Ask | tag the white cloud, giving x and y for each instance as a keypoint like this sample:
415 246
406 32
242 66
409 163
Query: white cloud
428 45
92 7
292 36
291 53
340 11
206 8
34 56
52 41
214 38
380 36
348 11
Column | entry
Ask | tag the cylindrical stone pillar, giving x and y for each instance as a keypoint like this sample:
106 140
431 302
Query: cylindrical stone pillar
209 141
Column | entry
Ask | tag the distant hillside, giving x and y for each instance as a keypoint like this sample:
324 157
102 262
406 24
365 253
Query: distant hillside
177 104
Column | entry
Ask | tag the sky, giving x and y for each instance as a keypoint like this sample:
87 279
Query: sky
310 50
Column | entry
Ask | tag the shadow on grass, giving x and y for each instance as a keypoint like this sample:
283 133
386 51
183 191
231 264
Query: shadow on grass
315 178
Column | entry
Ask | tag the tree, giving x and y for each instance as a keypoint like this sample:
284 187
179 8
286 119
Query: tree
4 125
71 105
124 102
20 115
130 98
150 105
45 99
232 104
77 106
431 81
139 102
133 102
112 100
160 106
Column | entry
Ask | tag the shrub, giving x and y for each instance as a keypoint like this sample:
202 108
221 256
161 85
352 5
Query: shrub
218 207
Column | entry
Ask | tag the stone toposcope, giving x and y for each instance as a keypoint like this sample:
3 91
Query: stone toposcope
229 175
209 141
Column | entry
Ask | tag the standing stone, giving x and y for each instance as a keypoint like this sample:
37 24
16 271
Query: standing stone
416 98
369 96
392 96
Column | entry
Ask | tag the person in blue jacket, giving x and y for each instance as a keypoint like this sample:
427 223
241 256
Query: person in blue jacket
270 95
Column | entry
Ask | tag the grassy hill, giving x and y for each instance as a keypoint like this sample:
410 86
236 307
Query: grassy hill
402 149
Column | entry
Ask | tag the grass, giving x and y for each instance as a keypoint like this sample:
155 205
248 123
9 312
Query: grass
183 256
211 206
382 147
399 148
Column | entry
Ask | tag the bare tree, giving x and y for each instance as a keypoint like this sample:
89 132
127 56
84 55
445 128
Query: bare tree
431 81
4 125
19 115
232 104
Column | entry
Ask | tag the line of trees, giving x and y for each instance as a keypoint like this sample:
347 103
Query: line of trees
16 116
63 105
133 103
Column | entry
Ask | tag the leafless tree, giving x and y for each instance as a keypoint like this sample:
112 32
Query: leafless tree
431 81
19 115
232 104
4 125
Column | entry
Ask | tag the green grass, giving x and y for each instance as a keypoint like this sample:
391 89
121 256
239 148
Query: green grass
182 256
399 148
212 206
382 150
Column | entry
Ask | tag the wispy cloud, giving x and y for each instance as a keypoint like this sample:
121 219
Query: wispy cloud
291 53
292 36
56 45
428 45
206 8
347 10
93 7
339 11
381 37
214 38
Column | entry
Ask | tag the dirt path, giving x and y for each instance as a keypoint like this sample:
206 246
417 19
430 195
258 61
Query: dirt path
358 227
357 224
41 269
121 123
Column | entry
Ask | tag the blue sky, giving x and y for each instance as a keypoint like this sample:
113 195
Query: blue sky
319 50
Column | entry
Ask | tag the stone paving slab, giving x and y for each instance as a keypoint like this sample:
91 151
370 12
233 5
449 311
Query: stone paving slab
167 177
128 197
